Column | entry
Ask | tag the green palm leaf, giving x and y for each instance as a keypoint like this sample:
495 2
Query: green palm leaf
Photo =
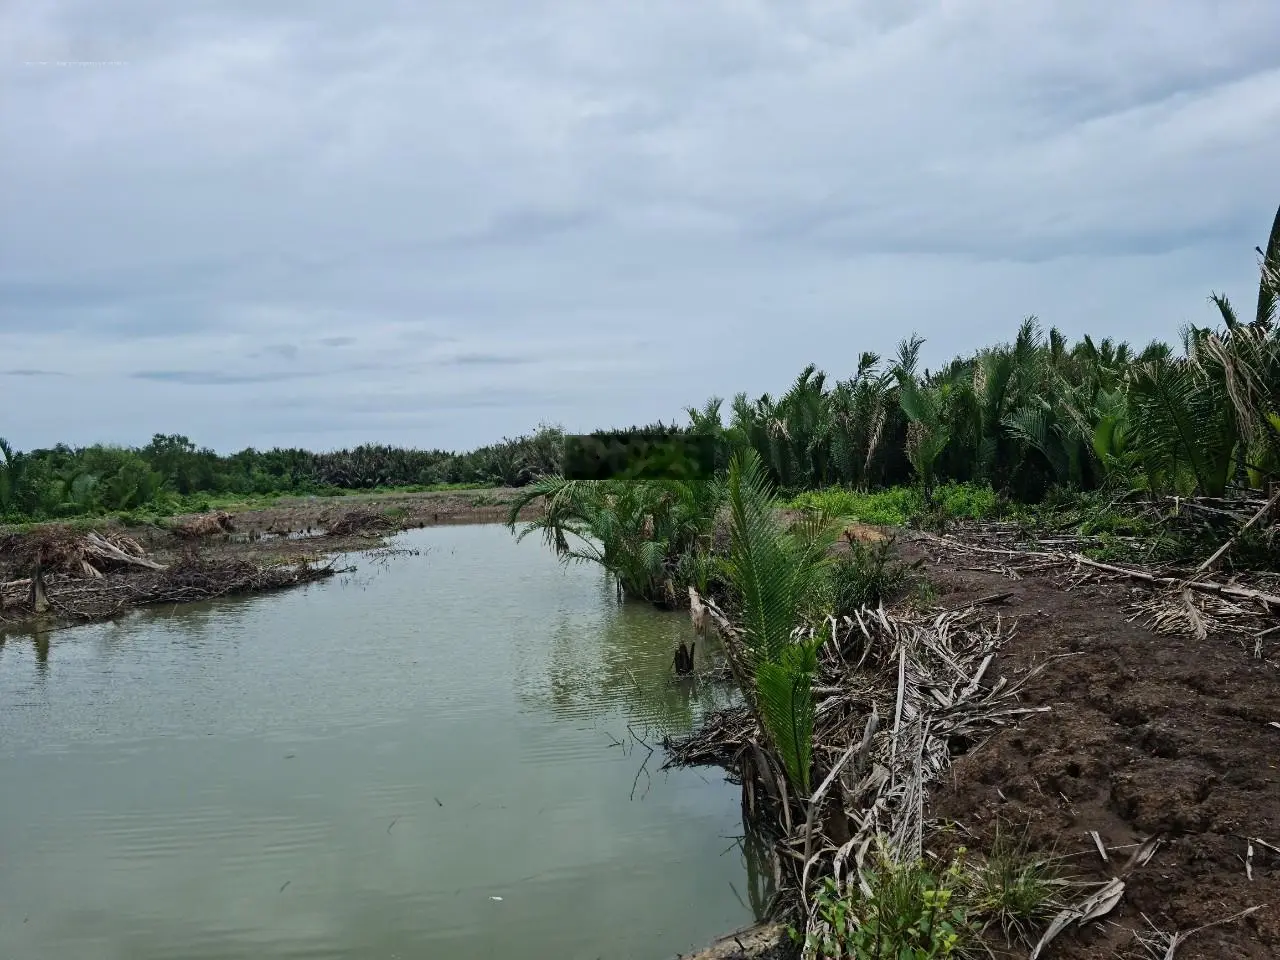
777 574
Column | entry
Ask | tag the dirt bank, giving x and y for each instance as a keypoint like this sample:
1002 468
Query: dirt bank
1149 735
765 941
323 523
200 556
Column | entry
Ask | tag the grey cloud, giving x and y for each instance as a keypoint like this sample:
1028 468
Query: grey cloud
211 378
286 351
31 373
503 196
487 360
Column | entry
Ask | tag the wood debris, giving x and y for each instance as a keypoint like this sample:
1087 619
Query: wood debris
928 676
203 525
1244 606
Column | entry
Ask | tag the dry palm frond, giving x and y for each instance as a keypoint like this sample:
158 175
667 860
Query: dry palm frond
892 692
361 521
1161 945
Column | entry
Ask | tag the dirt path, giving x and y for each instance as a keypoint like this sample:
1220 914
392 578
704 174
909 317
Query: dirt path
1148 735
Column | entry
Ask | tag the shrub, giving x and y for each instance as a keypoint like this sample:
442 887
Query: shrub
900 506
868 575
911 914
1013 889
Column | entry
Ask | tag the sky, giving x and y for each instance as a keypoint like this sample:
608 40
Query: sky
440 223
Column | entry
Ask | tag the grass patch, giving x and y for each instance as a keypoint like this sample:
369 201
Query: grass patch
922 911
1013 889
900 506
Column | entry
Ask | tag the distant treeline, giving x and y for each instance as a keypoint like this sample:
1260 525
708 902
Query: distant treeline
172 473
643 453
1038 413
171 470
1022 417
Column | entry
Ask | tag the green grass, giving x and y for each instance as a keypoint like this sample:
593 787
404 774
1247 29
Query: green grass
899 506
927 910
1013 889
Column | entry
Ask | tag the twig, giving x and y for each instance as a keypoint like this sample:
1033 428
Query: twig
981 601
1231 542
1204 586
1097 842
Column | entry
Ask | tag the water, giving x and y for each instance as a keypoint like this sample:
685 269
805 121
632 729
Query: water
361 769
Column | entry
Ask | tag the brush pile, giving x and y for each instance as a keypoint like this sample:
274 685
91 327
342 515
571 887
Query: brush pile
1242 604
93 575
898 694
60 549
203 525
189 579
361 521
194 578
1246 523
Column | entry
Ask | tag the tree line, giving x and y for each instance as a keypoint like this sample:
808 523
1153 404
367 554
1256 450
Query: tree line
1036 413
1024 417
171 471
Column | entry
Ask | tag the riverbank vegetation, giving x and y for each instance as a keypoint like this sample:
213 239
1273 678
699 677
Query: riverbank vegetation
1143 452
1091 461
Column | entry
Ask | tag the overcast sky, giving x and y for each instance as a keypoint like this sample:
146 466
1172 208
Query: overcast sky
436 223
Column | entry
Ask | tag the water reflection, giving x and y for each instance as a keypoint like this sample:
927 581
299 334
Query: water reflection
359 769
623 656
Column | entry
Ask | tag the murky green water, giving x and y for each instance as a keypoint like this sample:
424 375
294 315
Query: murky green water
361 769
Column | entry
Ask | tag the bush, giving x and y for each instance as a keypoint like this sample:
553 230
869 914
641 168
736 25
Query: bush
911 914
891 508
868 575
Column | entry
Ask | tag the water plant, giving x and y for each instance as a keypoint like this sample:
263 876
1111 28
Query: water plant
640 531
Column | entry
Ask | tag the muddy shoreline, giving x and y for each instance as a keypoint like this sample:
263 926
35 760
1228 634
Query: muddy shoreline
1147 738
254 549
1148 735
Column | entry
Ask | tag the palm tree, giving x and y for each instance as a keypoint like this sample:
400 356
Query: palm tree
639 531
928 432
10 477
777 574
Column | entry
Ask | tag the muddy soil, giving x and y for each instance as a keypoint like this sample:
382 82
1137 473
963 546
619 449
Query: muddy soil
1148 735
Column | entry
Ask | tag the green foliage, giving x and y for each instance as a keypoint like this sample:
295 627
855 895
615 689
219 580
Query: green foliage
1184 426
170 474
867 575
1013 889
777 574
638 530
10 478
700 569
930 429
1038 413
641 453
900 506
911 913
